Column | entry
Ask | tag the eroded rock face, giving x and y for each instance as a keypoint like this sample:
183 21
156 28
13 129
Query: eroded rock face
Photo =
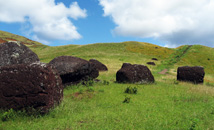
191 74
73 70
100 66
16 53
134 74
25 86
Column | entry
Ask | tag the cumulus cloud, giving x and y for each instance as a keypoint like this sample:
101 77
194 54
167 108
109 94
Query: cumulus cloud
176 22
49 20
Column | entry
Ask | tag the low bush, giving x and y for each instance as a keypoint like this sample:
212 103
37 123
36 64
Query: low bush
88 83
90 89
105 82
127 100
131 90
8 115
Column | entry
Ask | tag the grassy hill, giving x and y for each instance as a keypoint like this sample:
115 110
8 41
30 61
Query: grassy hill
166 104
111 54
114 54
6 36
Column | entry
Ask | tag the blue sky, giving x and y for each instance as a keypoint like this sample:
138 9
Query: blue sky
62 22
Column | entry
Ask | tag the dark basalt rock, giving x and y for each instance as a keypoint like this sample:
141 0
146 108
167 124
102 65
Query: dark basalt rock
73 70
100 66
150 63
134 74
27 86
16 53
155 59
191 74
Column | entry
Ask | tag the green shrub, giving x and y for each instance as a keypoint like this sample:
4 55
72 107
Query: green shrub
80 91
101 90
176 82
105 82
90 89
212 110
131 90
127 100
194 123
88 83
8 115
210 84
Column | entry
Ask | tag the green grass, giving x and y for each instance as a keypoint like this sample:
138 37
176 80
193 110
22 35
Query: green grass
166 104
199 56
156 106
149 49
174 57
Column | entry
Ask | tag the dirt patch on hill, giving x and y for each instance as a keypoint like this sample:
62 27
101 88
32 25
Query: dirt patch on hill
10 39
2 41
81 95
163 71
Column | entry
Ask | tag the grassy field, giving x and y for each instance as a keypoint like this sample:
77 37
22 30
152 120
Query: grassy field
166 104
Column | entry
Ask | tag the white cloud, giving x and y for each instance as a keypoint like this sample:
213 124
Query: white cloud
176 22
49 21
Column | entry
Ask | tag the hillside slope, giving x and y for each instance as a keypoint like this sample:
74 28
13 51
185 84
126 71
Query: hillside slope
111 54
115 54
6 36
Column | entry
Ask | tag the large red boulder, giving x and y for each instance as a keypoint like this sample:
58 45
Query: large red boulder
16 53
134 74
25 86
100 66
191 74
73 70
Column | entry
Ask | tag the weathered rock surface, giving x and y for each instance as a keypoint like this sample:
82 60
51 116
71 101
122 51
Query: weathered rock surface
134 74
73 70
150 63
191 74
16 53
100 66
26 86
